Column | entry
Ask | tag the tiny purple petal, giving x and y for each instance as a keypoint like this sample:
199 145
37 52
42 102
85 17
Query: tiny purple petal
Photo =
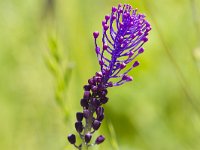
145 39
104 100
110 84
140 33
87 87
79 116
72 138
131 54
127 78
141 50
121 39
107 17
101 117
148 28
113 17
96 34
86 113
95 102
94 88
96 124
86 95
88 137
104 92
114 9
91 81
100 139
97 50
105 27
103 22
105 46
122 66
84 102
79 126
136 63
100 111
99 74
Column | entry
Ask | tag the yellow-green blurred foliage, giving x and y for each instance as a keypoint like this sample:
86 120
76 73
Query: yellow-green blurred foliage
159 110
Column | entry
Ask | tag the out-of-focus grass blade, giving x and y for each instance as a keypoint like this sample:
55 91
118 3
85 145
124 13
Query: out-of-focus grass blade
62 74
113 139
53 47
68 73
52 65
196 54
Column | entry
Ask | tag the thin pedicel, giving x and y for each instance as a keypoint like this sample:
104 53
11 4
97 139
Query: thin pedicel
124 33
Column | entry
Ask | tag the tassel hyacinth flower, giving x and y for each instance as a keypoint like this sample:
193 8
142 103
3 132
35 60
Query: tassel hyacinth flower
124 33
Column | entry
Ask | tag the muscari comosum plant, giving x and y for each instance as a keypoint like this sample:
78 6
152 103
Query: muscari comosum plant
124 33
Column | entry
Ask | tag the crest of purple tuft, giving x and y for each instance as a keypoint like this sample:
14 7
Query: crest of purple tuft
124 33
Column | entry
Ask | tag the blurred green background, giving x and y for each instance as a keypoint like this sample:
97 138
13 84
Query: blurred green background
159 110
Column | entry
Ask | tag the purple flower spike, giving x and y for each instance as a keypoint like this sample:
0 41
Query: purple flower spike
124 33
123 43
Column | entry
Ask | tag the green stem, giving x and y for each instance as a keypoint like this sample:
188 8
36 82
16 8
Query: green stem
87 128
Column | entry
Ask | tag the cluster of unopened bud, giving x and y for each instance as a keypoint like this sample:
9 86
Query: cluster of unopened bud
93 113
